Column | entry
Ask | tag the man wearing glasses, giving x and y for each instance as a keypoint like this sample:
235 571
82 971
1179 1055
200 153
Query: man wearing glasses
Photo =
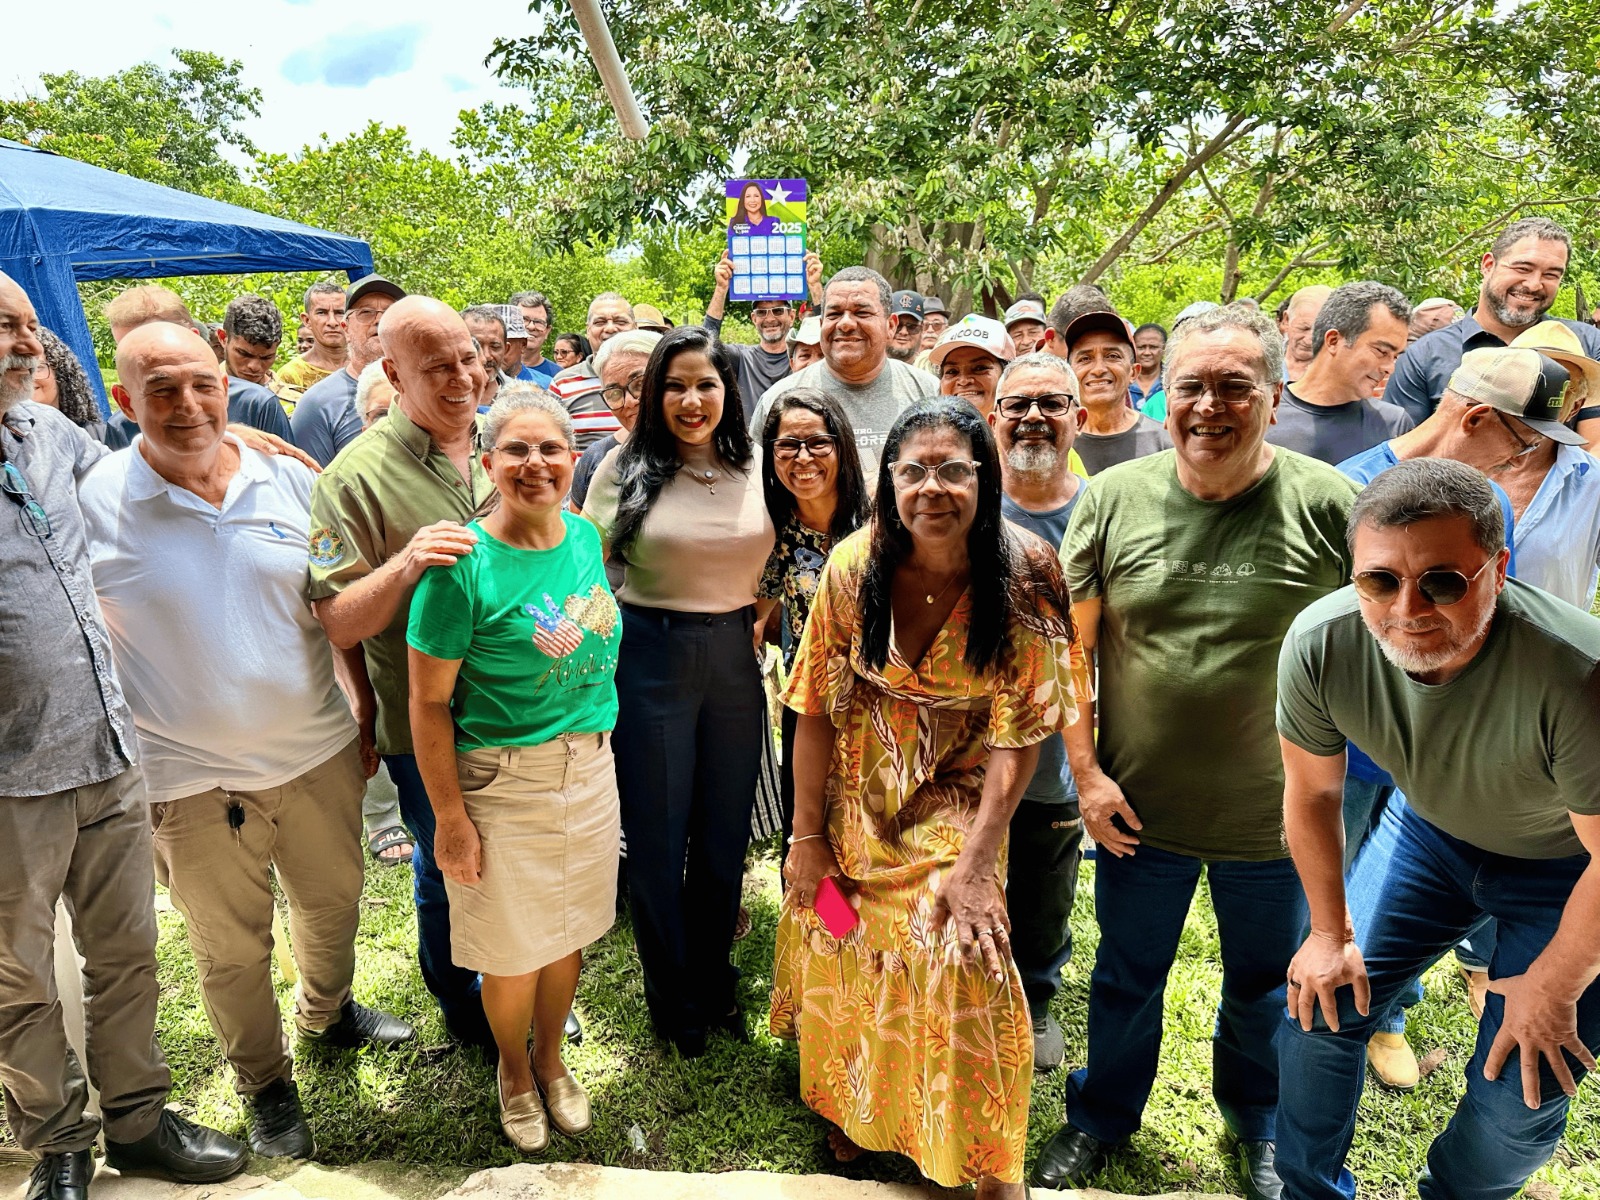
1186 567
325 420
1035 420
621 362
759 367
536 320
72 810
1501 817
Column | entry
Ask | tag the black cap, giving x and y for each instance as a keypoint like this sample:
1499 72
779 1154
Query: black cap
932 304
906 304
372 283
1096 322
1544 409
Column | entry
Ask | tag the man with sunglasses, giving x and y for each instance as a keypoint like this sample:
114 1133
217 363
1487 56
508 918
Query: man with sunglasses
1481 696
1186 567
759 367
72 810
1035 421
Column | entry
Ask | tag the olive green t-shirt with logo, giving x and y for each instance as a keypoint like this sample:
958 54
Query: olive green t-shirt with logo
1196 596
1499 756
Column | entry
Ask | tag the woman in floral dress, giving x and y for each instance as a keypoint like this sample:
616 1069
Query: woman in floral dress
939 653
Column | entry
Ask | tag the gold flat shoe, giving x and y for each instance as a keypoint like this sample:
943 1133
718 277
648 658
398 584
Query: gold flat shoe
568 1104
523 1119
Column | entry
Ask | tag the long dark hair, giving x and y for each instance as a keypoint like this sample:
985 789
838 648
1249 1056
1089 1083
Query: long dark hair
740 217
992 558
850 506
650 455
74 400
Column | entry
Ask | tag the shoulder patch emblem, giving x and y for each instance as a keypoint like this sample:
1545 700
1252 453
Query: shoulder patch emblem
327 548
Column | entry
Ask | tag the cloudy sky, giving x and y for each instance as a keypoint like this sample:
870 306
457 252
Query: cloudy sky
322 66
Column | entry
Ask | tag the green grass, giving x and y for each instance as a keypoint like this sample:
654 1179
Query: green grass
737 1109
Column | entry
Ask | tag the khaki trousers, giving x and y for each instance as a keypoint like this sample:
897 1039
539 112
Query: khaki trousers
309 832
91 847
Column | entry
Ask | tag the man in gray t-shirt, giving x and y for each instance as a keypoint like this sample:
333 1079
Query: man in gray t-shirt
856 369
1099 348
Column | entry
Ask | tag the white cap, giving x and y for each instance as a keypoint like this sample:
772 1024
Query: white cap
972 330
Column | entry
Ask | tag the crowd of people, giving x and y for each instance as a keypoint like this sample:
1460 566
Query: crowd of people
1297 605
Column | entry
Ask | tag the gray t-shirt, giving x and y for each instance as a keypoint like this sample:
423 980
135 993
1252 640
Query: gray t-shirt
1101 450
1336 432
326 421
1499 755
871 407
756 367
1052 781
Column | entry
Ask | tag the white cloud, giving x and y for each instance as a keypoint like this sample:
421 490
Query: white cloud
323 66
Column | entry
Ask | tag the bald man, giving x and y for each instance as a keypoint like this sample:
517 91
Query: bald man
1297 324
578 386
394 503
71 794
252 767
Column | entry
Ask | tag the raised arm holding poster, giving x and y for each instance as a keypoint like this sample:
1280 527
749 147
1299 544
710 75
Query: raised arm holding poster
767 238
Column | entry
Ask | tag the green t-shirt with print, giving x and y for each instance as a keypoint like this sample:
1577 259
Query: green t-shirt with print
536 631
1196 596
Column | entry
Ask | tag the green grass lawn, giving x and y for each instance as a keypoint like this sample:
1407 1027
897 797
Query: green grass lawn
736 1108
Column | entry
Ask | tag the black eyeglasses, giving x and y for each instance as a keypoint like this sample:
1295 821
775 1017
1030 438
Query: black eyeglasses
613 393
34 519
820 446
1052 404
1439 588
1524 446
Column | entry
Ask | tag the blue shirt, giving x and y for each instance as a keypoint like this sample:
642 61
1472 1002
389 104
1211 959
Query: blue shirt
1052 781
1364 468
542 374
1558 538
248 404
1421 373
326 421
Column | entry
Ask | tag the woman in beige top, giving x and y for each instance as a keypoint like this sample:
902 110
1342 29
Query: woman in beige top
680 504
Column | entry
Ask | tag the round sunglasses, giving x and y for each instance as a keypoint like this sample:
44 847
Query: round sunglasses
1439 588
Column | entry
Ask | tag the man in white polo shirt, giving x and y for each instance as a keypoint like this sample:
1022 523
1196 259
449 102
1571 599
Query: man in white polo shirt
198 548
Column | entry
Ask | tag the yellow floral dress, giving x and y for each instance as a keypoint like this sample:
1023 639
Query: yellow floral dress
904 1045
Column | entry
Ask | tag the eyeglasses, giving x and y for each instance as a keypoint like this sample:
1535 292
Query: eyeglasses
1439 588
777 311
1526 447
527 324
820 446
1235 393
952 472
1052 404
613 393
34 519
517 453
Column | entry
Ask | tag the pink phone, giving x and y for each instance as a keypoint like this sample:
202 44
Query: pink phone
836 912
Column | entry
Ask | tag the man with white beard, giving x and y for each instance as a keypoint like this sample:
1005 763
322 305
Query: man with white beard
1480 695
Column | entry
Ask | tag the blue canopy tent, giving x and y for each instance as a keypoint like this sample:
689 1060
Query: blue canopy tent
62 221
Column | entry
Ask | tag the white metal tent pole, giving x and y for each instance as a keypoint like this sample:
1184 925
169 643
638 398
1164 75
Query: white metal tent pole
597 34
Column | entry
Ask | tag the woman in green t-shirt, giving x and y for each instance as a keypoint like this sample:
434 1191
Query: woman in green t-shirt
513 653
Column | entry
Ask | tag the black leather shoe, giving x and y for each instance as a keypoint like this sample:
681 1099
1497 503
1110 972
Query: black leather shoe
691 1043
572 1031
359 1025
732 1024
179 1150
278 1126
1258 1164
62 1176
1068 1159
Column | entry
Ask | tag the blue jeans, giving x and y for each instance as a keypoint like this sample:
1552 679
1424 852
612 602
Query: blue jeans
455 988
1140 904
1423 890
1364 805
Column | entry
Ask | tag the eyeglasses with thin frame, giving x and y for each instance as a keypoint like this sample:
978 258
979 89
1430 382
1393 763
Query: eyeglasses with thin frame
1440 588
33 516
952 472
613 393
1525 446
1051 404
821 445
1234 393
518 452
770 311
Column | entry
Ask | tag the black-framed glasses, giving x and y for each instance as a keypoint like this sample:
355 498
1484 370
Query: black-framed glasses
1052 404
1439 588
518 452
952 472
34 519
613 393
1524 446
820 446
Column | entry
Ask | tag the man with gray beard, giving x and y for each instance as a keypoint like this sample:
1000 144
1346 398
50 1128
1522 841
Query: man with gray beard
1035 419
1501 818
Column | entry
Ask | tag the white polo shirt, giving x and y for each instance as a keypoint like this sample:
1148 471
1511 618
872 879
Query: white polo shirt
229 676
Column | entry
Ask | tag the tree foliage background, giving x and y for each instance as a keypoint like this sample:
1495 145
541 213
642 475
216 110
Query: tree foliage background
977 148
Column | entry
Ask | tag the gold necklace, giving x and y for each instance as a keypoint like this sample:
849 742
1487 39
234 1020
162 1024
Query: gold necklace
707 478
930 597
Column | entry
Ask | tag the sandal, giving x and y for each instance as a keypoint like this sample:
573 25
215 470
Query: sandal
391 837
741 926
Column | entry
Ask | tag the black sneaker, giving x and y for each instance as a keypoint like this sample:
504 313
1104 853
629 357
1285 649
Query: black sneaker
1049 1046
278 1126
62 1176
359 1025
179 1150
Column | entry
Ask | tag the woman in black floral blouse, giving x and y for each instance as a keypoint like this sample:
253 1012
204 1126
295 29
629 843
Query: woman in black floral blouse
817 495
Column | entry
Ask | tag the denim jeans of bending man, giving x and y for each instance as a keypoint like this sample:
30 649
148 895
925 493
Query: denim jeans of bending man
1141 902
1364 804
1420 891
455 988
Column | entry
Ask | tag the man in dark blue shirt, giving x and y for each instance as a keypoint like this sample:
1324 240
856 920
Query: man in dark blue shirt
1522 272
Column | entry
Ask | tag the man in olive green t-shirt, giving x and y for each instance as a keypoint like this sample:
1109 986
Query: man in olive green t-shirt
1186 567
1481 696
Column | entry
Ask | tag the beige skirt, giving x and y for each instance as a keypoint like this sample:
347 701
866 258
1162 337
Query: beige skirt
549 822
